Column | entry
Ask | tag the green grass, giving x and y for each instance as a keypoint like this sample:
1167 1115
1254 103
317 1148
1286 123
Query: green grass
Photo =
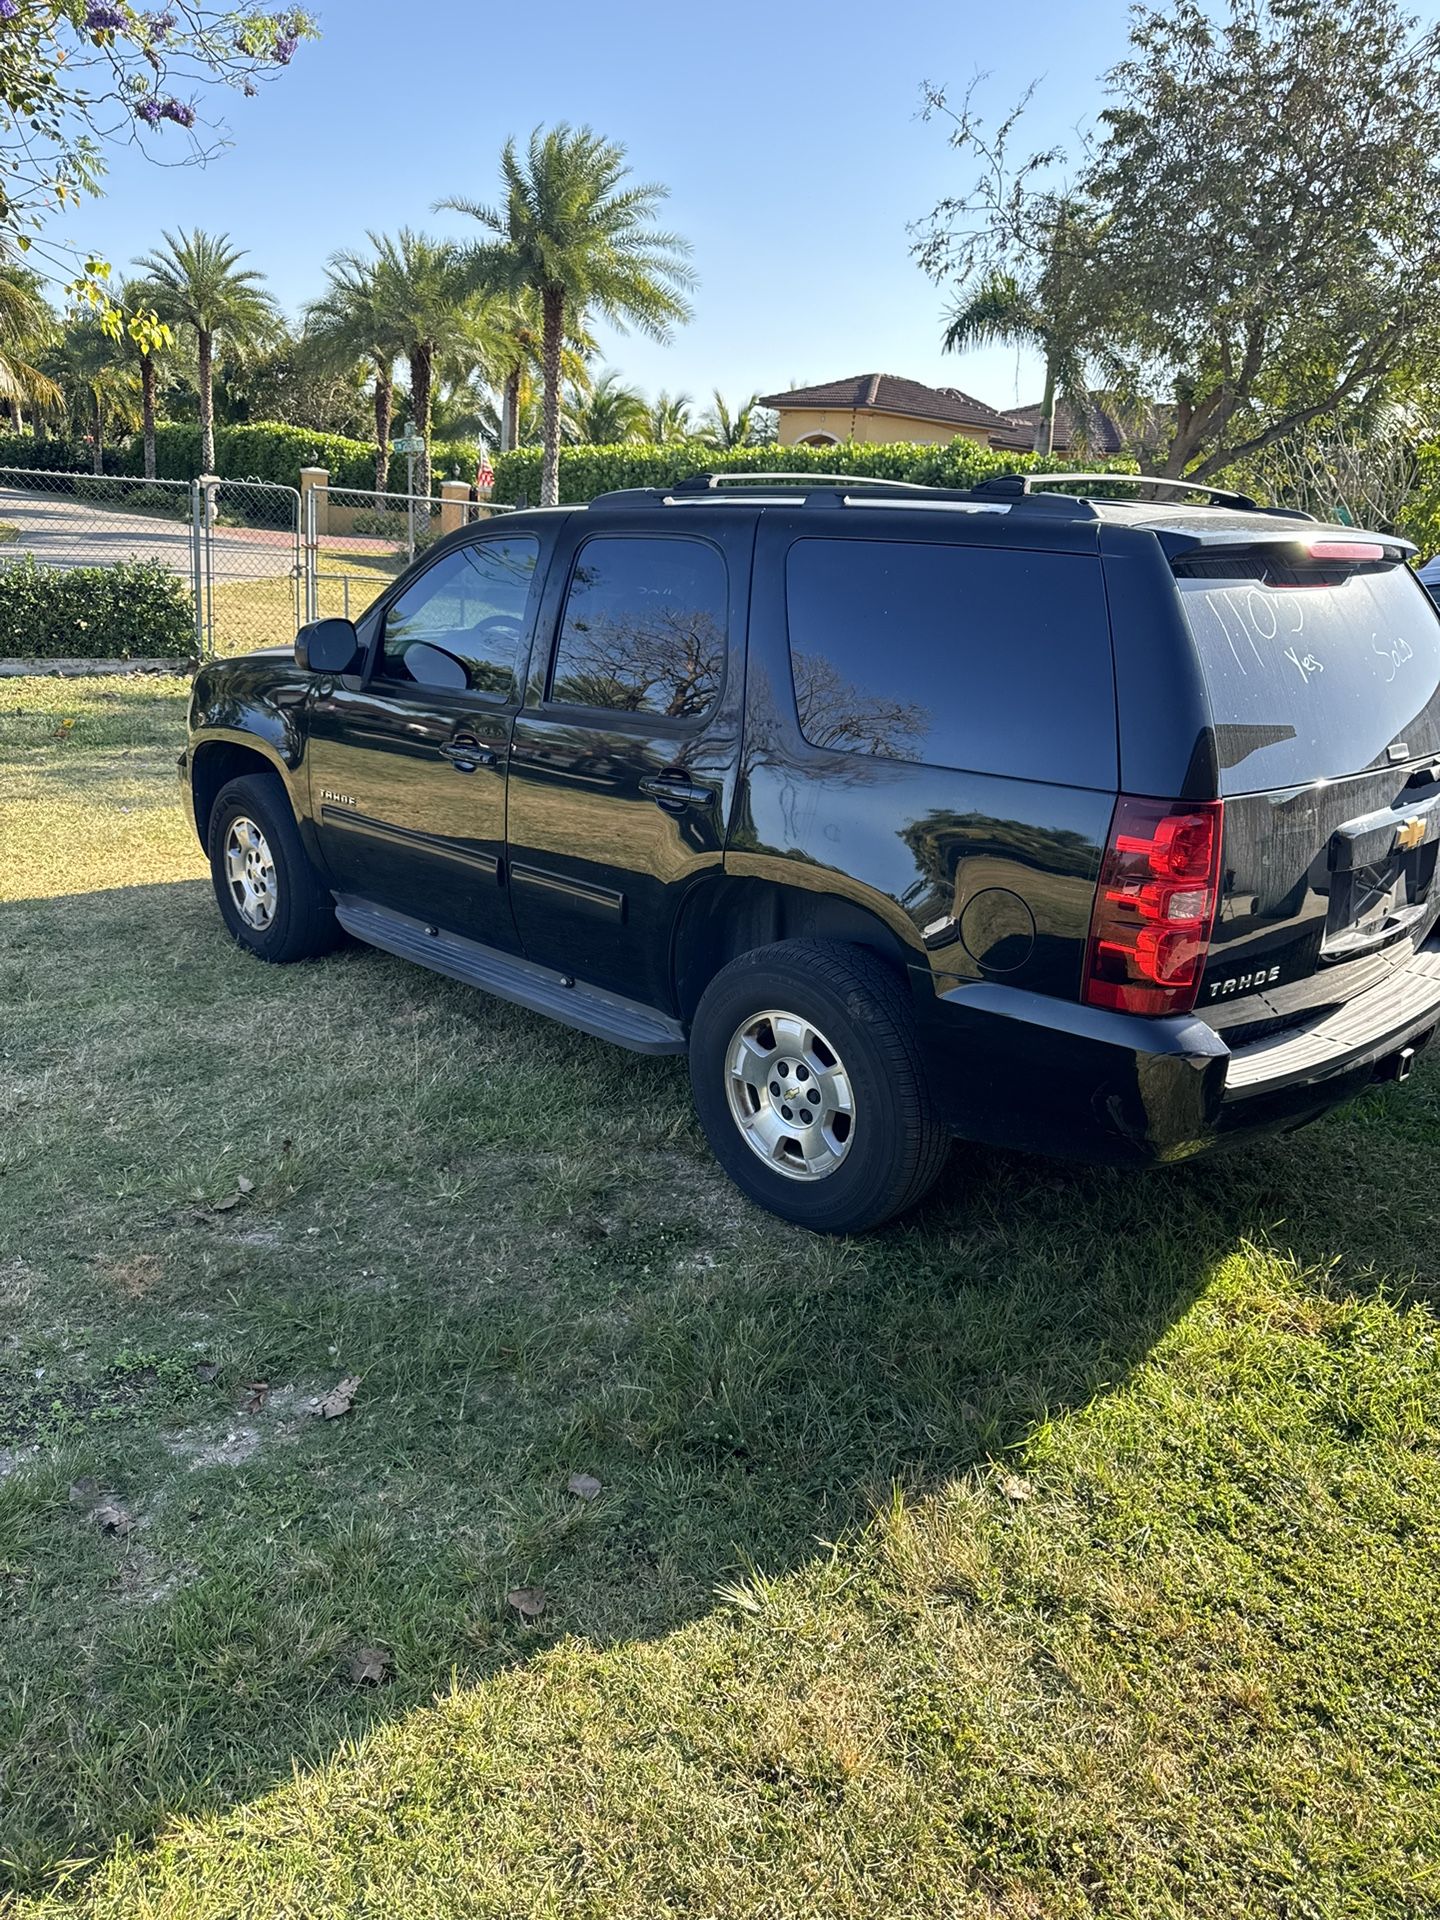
1068 1550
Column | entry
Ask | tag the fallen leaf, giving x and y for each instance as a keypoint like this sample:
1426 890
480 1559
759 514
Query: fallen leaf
255 1393
1016 1489
224 1206
339 1399
85 1492
528 1602
585 1484
245 1185
207 1372
111 1517
369 1666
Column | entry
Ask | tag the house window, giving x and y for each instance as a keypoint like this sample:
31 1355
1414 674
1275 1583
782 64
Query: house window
817 440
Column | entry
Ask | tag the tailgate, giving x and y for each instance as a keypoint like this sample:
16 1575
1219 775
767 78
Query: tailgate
1324 687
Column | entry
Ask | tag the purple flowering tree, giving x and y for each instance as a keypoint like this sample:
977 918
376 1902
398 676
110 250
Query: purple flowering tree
76 76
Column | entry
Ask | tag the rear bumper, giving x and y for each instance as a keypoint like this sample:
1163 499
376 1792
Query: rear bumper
1024 1070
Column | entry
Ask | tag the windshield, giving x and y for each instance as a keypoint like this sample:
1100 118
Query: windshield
1313 682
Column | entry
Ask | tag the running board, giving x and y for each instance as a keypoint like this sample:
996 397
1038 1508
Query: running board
606 1015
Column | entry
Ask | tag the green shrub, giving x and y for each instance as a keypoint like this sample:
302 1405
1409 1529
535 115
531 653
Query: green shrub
133 609
1420 521
586 471
274 453
55 455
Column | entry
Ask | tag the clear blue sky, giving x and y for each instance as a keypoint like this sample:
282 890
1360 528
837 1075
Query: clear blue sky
788 133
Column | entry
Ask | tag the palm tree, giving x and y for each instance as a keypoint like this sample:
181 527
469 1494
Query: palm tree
725 429
516 326
199 284
667 418
27 327
424 299
348 324
570 231
88 365
610 414
138 297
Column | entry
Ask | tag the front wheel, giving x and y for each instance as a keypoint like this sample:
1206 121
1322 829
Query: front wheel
808 1083
270 897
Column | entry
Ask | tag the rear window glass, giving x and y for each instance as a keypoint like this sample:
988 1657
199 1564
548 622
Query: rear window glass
1312 682
988 659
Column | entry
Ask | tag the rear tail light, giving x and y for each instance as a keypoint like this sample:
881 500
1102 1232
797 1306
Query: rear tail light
1154 906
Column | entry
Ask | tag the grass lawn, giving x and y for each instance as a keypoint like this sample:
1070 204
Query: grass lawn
1068 1550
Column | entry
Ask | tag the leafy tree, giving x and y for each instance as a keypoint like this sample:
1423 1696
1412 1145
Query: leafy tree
86 363
27 327
1003 311
197 282
573 232
514 322
610 414
424 299
147 347
667 418
349 323
76 77
748 425
1252 235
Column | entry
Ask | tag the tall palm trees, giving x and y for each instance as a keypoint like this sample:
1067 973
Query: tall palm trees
423 301
572 232
197 282
348 323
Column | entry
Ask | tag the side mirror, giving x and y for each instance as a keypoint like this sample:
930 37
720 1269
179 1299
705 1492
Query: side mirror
327 646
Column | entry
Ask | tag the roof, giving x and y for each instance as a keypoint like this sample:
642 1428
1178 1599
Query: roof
889 393
1108 427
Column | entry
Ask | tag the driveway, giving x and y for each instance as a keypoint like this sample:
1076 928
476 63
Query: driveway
64 530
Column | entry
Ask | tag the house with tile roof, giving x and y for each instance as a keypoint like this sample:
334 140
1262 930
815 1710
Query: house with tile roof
882 407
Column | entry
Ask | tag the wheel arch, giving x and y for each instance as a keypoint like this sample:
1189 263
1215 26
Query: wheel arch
730 914
214 762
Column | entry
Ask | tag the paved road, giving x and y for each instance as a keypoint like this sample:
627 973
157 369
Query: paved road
64 530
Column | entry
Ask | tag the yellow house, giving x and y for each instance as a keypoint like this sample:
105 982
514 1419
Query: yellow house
882 407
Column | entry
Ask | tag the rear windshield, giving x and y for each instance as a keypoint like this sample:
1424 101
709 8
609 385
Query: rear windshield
1312 682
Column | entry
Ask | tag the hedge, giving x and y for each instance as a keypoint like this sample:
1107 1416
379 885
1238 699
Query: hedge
56 455
586 471
133 609
267 450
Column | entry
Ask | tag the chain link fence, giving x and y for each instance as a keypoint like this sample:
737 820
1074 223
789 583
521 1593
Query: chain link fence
250 581
253 561
357 542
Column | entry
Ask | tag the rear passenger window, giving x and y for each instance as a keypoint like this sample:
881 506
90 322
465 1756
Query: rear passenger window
644 627
993 660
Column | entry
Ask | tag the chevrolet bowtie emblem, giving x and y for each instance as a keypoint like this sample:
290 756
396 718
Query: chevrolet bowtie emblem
1410 835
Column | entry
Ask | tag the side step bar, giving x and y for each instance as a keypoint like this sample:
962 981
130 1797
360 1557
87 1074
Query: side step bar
609 1016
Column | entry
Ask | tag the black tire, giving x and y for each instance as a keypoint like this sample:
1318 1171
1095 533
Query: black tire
303 923
894 1145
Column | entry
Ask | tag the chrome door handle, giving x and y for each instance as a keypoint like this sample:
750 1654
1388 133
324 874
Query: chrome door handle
465 753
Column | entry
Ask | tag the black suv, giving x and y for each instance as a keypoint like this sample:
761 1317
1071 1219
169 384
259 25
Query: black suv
1093 826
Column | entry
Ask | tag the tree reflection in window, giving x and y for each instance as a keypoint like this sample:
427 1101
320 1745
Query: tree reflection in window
644 627
838 715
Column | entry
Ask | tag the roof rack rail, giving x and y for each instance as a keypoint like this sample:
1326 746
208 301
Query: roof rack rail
1025 483
710 482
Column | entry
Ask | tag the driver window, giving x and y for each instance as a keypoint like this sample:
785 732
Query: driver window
466 611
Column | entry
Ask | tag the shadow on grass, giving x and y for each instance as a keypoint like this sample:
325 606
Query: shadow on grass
515 1236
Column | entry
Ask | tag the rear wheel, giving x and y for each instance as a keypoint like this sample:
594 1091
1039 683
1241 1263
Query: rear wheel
270 896
808 1084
